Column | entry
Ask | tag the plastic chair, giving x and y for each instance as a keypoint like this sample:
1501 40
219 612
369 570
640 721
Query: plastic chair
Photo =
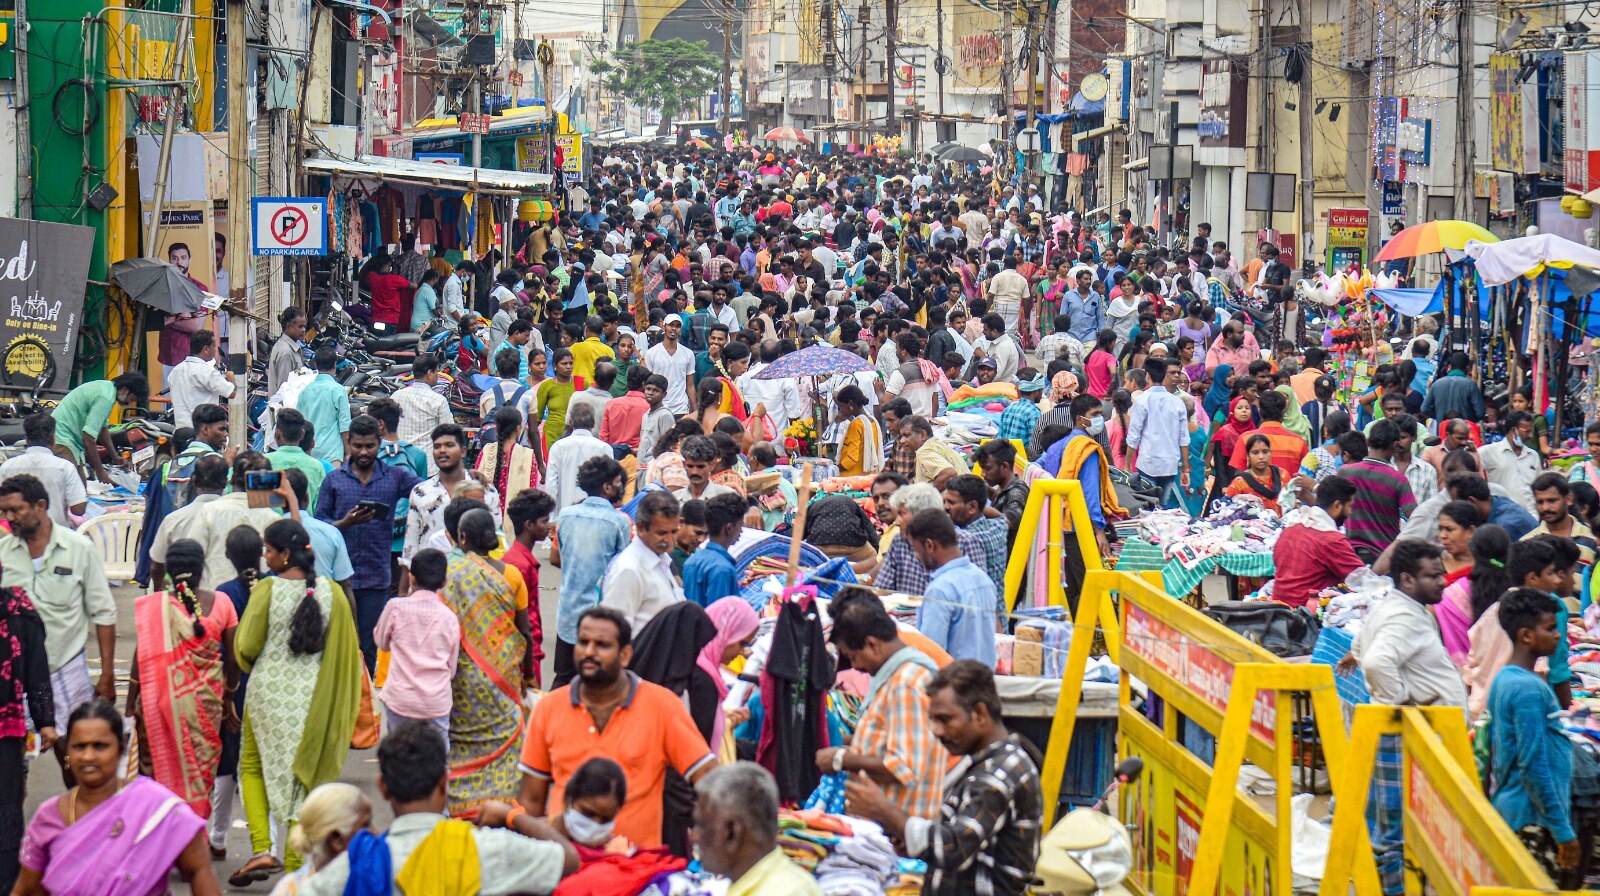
116 538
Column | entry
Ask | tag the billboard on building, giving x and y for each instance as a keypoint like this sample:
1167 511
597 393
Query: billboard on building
1505 112
979 49
1582 153
1224 98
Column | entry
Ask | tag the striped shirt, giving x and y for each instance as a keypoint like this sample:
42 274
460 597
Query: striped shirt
1382 498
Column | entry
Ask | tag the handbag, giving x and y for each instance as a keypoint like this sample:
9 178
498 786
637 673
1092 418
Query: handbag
365 735
1281 630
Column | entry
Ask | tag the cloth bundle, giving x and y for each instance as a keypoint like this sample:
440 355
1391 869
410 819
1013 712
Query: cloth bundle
862 865
1231 527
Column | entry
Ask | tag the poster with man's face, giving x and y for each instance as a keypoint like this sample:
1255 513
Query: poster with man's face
187 241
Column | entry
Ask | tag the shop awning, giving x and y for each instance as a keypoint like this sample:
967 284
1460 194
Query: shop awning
430 175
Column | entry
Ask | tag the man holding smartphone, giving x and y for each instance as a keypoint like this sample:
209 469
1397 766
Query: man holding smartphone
359 499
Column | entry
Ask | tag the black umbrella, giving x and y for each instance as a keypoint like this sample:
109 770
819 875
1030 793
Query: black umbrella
962 154
158 284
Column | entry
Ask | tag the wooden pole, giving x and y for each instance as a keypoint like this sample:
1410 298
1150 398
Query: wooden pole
799 533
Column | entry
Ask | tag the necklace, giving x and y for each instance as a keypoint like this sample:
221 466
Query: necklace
72 802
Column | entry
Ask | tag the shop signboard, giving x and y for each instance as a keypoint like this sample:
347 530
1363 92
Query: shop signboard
43 269
533 153
1394 202
1224 98
1505 112
1347 237
571 146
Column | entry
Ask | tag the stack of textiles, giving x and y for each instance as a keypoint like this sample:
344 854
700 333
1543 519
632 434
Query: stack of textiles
1231 527
808 836
860 865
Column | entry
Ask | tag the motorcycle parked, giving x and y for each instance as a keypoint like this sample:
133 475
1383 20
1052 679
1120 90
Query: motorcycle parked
1089 851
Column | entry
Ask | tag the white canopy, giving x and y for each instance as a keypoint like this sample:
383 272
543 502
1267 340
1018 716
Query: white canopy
1528 256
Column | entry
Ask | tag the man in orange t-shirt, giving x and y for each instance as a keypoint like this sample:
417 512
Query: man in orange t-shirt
610 712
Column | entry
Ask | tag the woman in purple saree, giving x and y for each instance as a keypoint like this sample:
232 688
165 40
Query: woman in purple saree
107 836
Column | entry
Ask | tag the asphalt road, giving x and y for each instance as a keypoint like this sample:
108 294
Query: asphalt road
361 768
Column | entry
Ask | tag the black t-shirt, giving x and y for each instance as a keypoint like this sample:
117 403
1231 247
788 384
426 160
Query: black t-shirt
798 673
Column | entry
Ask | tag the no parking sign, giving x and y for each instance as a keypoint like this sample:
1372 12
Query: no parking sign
289 226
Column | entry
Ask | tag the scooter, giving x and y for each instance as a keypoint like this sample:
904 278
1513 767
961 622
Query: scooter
1089 852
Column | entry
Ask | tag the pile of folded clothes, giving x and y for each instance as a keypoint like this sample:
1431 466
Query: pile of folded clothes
1230 527
848 856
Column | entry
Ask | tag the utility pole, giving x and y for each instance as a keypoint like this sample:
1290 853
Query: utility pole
1308 171
727 64
1169 177
891 23
1050 57
477 108
939 63
862 133
241 186
24 106
1465 151
1032 56
1008 80
830 56
180 95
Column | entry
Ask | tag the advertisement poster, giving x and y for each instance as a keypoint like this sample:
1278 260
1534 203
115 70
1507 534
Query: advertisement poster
1167 815
978 48
1505 112
533 153
43 269
571 146
1347 238
188 241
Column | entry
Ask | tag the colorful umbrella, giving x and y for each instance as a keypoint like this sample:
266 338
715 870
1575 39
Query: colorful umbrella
1434 236
817 360
786 135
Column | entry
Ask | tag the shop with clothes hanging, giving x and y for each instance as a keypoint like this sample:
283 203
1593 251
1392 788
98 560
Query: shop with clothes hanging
450 210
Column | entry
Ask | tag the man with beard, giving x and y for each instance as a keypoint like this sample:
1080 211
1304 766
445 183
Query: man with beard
428 499
61 572
986 836
1235 346
1405 664
611 712
350 499
1552 497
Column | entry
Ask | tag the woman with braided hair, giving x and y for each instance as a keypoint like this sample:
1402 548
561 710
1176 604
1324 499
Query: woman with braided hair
182 678
297 640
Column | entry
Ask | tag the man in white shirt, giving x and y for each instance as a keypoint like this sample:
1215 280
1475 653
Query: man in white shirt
907 380
1512 463
1405 664
197 380
675 362
421 408
639 583
1007 290
450 297
782 397
1000 346
569 452
60 476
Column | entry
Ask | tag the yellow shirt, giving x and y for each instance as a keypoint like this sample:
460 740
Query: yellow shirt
934 457
775 875
585 354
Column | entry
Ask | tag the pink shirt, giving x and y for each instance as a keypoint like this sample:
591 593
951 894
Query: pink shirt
423 638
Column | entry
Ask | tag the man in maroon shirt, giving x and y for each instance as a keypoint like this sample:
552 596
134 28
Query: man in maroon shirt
1312 554
529 513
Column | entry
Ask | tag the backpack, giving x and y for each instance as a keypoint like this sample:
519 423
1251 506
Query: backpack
486 433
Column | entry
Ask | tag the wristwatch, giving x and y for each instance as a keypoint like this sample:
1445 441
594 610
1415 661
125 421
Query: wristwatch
838 760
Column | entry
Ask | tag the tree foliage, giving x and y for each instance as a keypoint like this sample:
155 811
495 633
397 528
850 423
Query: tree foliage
660 74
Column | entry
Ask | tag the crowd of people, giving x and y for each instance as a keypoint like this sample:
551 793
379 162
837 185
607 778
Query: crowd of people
632 441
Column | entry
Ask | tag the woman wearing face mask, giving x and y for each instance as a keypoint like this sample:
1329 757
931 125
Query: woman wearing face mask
594 795
330 816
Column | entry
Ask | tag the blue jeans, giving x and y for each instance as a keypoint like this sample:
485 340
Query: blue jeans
1166 488
369 606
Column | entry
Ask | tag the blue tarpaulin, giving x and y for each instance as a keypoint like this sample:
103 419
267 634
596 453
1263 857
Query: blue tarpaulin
1412 302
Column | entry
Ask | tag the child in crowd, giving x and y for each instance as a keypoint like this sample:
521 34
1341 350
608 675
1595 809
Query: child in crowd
1530 757
423 638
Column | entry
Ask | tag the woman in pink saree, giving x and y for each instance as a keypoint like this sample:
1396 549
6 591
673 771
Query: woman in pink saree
107 835
1465 599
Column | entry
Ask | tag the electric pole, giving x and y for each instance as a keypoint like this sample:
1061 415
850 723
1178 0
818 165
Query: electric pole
939 63
727 63
1308 171
1008 80
24 103
1032 56
830 56
1464 120
241 186
891 23
862 132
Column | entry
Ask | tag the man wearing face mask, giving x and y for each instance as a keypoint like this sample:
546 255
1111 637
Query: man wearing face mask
1079 455
609 711
1513 463
1311 553
1405 664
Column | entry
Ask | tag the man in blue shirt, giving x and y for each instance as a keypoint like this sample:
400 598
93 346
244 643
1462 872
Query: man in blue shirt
709 574
326 406
327 542
349 499
1084 307
958 607
593 220
589 535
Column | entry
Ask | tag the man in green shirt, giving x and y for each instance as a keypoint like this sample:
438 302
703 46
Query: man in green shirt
326 406
290 431
81 417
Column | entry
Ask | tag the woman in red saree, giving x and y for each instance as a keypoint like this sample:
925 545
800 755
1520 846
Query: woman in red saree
183 677
107 835
487 714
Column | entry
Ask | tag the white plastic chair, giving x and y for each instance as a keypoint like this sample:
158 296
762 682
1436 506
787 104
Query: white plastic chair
116 538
